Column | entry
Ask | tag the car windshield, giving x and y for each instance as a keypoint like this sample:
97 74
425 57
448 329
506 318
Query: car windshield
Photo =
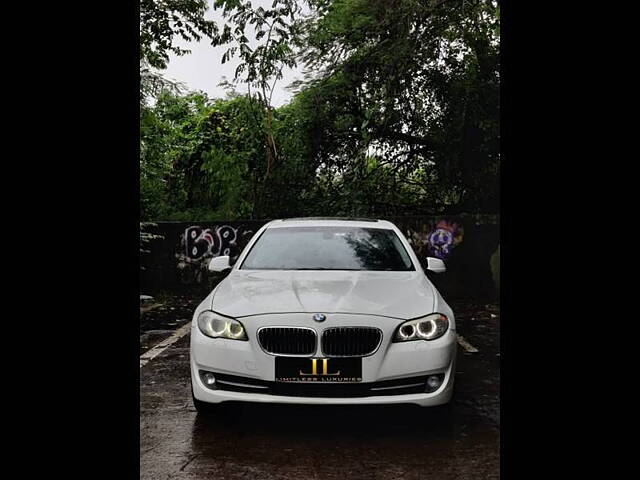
328 248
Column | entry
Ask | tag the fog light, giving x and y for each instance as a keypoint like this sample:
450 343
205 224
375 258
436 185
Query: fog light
434 382
208 379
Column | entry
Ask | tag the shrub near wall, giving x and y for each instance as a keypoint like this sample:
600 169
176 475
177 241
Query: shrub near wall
469 245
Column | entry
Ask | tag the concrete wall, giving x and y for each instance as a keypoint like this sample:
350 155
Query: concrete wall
469 245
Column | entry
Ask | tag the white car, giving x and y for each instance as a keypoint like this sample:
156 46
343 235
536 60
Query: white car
324 311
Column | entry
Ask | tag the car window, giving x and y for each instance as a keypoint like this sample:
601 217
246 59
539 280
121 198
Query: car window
328 248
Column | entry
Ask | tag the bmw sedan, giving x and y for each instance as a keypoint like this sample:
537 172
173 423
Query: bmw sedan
324 311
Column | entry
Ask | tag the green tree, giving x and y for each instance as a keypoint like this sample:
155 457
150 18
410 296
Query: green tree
414 84
163 20
260 68
196 155
399 114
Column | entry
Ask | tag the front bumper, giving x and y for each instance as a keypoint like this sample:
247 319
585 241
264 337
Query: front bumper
390 362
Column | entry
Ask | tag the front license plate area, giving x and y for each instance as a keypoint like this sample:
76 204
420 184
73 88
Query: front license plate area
325 370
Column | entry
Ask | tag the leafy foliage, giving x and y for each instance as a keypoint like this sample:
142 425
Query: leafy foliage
261 66
162 20
204 159
398 114
152 84
274 29
193 153
411 105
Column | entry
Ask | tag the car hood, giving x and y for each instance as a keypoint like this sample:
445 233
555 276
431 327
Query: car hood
401 295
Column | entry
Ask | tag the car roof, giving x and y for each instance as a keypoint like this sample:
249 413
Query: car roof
330 222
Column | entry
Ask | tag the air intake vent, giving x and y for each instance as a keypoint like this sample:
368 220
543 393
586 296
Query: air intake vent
402 386
288 340
350 341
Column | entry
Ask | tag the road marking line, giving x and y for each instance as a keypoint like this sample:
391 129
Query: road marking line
162 346
147 308
466 345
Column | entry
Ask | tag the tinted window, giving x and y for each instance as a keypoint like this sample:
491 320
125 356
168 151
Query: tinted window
328 248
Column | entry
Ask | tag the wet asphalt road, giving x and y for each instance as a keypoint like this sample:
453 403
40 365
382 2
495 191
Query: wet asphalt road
324 442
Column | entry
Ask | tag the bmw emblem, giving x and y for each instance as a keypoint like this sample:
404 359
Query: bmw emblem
319 317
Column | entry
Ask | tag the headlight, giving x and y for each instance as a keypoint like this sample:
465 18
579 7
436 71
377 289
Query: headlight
427 328
217 326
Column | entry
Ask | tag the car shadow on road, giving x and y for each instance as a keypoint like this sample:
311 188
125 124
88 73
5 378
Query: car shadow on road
351 439
298 425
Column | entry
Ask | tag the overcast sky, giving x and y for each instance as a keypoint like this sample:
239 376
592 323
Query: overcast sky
202 68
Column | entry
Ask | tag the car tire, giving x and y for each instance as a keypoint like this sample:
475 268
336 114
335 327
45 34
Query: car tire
225 411
444 410
204 408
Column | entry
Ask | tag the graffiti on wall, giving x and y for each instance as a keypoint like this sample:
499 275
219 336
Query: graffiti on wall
473 266
436 239
199 245
214 242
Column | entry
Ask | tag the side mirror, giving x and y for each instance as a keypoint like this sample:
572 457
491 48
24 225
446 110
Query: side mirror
219 264
436 265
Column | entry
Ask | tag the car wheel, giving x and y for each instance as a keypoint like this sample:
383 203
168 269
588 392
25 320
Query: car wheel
205 408
445 410
223 411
